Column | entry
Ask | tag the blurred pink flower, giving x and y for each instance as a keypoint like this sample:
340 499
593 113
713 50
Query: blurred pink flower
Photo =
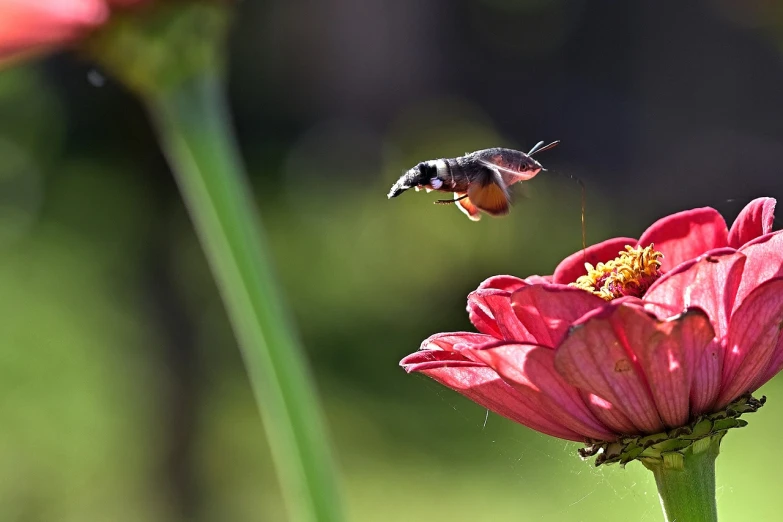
652 344
34 26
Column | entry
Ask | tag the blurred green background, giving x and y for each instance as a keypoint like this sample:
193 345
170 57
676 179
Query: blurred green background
122 394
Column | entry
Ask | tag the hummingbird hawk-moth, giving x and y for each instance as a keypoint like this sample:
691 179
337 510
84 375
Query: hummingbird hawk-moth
479 180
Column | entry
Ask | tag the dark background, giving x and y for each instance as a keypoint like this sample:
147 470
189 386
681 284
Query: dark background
122 395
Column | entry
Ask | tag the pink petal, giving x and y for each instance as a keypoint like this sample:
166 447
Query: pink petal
594 358
685 235
707 378
429 359
483 386
755 220
574 265
480 314
455 341
538 280
502 282
774 366
709 282
765 261
530 370
491 312
27 25
547 311
608 414
753 337
668 352
599 356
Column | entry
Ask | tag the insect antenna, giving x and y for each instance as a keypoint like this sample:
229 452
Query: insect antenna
540 147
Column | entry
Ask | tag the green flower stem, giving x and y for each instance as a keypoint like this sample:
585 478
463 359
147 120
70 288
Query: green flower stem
193 126
686 482
171 54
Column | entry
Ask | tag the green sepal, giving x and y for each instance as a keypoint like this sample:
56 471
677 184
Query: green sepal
667 447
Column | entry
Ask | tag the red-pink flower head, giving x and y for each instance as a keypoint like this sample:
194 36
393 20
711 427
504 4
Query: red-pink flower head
629 337
34 26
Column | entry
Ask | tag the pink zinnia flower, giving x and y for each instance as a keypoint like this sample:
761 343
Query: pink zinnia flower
685 321
34 26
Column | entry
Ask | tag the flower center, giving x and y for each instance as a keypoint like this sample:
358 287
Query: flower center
631 273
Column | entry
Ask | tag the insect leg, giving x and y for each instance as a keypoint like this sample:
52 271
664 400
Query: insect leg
449 201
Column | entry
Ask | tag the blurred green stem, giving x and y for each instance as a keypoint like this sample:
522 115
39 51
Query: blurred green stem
193 126
686 482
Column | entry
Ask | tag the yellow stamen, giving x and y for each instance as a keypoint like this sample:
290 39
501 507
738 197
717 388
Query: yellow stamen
631 273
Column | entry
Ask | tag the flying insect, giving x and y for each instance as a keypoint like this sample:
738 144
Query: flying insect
479 180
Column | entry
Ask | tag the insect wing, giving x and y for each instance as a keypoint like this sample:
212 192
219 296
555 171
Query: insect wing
467 207
488 193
